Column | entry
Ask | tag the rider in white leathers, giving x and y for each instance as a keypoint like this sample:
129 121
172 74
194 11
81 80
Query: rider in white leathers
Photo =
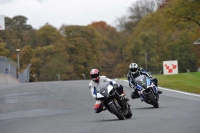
97 82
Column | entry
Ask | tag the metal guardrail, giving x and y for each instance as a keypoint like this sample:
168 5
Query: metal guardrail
25 75
7 66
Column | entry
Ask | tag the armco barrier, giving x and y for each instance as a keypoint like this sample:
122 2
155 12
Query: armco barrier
7 79
8 66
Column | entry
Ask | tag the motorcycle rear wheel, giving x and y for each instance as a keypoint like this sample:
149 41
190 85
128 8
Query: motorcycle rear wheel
116 111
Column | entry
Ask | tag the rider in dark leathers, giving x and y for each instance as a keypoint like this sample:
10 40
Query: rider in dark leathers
134 72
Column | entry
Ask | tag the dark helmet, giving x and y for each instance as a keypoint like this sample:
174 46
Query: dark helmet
133 67
94 74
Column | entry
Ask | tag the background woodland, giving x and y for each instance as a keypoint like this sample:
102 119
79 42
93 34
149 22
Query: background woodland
164 30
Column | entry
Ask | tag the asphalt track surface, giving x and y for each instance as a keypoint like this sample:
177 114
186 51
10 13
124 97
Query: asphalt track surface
67 107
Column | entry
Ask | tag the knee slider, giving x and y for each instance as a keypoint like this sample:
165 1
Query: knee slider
98 110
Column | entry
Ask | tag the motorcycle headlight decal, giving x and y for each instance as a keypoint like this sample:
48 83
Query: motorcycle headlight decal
138 87
109 88
99 95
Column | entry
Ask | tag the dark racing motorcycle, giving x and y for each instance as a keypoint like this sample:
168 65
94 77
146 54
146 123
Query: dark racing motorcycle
114 103
147 90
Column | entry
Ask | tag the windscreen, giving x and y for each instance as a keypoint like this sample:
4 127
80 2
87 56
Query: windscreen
142 81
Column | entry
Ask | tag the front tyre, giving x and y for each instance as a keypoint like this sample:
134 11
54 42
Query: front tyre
115 110
153 101
129 114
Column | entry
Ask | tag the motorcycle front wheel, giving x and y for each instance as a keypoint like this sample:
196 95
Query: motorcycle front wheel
115 110
153 100
129 114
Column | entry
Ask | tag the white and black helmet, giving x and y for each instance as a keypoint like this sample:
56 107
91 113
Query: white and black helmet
133 67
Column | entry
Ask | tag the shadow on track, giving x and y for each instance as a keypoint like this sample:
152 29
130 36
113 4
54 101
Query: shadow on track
145 108
109 120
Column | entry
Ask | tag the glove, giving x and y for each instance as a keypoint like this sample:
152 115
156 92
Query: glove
115 86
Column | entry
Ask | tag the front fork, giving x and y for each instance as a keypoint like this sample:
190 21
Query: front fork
141 94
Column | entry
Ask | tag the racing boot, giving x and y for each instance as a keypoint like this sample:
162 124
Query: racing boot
134 94
100 109
159 91
156 84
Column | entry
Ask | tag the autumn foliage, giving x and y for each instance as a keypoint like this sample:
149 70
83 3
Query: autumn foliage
71 51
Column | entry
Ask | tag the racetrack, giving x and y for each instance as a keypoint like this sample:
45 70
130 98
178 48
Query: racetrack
67 107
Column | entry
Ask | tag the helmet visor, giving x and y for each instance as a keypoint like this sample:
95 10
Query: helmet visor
133 69
94 76
96 79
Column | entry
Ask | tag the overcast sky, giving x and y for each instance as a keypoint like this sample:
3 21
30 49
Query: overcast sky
69 12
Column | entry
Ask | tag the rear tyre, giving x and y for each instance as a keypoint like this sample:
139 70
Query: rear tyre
116 111
153 101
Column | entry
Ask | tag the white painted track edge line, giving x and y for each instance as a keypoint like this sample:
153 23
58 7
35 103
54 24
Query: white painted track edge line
167 89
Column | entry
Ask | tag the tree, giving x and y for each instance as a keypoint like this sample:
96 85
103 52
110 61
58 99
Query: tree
9 23
156 33
4 52
112 44
136 12
83 45
57 65
48 35
26 54
184 11
36 64
30 37
20 22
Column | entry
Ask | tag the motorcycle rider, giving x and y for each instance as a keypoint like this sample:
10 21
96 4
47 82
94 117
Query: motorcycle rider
97 82
134 72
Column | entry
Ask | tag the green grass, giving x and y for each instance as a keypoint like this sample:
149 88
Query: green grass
187 82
